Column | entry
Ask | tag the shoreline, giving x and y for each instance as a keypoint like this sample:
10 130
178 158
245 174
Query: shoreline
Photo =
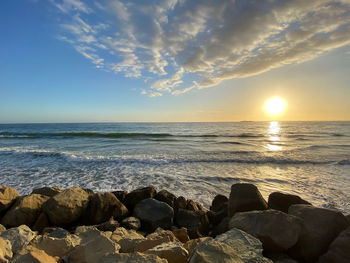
162 226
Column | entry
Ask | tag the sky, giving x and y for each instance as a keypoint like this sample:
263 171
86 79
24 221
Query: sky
173 60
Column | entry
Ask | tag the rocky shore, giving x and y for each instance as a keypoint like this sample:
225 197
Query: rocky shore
79 226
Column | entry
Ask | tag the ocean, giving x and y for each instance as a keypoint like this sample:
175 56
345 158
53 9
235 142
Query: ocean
196 160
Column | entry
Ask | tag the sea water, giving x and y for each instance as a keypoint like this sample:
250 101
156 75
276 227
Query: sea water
196 160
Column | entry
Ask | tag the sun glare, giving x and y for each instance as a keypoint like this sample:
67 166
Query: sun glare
275 106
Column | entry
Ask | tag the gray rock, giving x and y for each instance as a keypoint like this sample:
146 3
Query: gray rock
136 196
66 207
132 223
245 197
173 252
153 214
276 230
339 250
18 236
25 210
247 247
282 202
320 227
196 222
7 197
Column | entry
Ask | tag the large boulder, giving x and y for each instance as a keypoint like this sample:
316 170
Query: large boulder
131 223
41 222
47 190
25 211
33 255
5 250
196 222
276 230
282 202
18 236
7 196
153 240
153 214
320 227
132 258
247 247
93 251
339 250
109 225
66 207
102 206
181 234
166 197
245 197
180 203
212 251
121 233
219 202
174 252
192 244
136 196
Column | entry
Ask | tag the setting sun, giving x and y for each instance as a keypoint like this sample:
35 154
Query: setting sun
275 106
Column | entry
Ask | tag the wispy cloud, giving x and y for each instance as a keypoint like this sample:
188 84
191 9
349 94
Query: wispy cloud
181 45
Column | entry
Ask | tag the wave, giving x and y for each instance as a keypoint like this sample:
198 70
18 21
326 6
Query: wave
68 156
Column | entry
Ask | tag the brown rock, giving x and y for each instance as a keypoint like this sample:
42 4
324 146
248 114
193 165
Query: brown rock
2 228
33 255
282 202
196 222
136 196
180 203
173 252
276 230
320 227
102 206
7 197
245 197
41 223
5 250
25 211
191 244
66 207
132 223
219 203
222 227
47 191
181 234
110 225
18 236
132 258
191 205
120 195
154 239
339 250
166 197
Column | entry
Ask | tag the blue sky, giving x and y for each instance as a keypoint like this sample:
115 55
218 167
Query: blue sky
173 60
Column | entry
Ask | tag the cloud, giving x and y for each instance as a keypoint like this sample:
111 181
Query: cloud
172 44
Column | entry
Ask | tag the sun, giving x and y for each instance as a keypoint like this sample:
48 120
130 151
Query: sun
275 106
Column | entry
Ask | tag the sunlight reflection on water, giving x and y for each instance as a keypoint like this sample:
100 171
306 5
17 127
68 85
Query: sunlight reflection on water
274 137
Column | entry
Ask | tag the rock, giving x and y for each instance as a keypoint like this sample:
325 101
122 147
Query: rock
181 234
2 228
339 250
348 218
196 222
191 244
216 217
132 258
173 252
25 210
153 214
89 233
132 223
47 191
222 227
153 240
320 227
276 230
102 206
110 225
278 257
57 244
41 222
136 196
120 195
5 250
18 236
7 196
212 251
166 197
191 205
93 251
121 233
282 202
219 202
180 202
66 207
247 247
33 255
245 197
55 232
